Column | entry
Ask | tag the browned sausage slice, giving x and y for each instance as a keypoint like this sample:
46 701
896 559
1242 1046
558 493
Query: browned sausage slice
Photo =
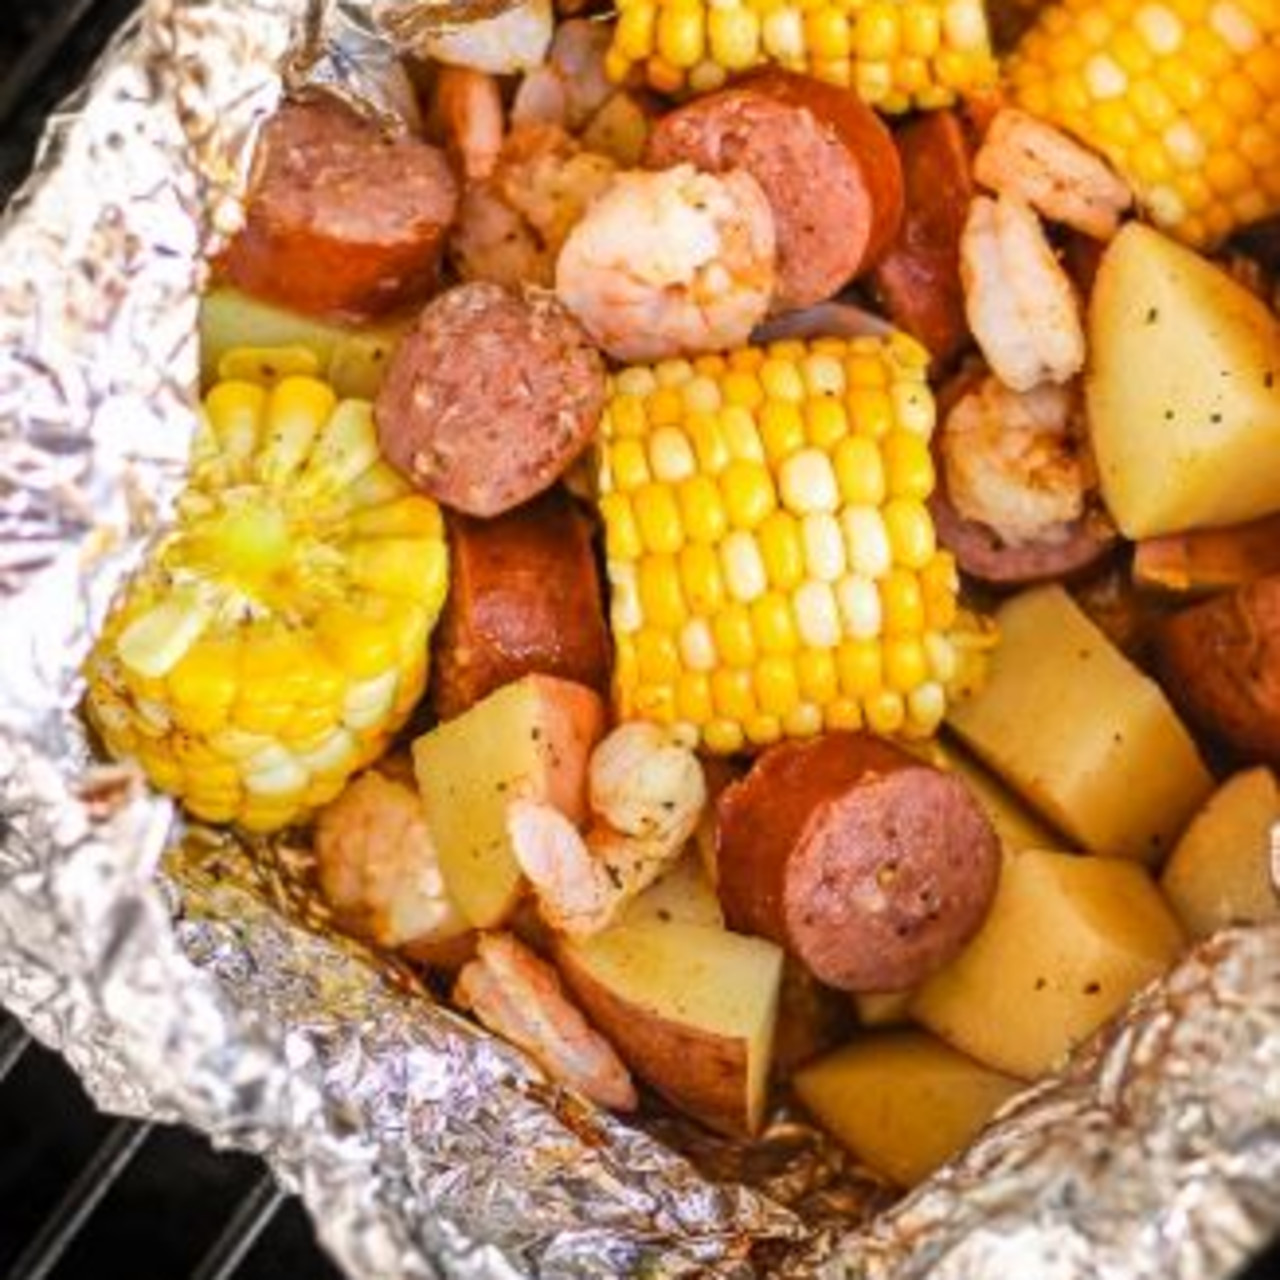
1068 551
490 398
825 161
918 280
524 598
870 867
342 219
1221 664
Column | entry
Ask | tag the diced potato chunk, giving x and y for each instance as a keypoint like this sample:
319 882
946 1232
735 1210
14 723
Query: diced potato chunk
902 1101
250 332
691 1010
1069 939
529 740
1183 389
683 896
1080 733
1221 871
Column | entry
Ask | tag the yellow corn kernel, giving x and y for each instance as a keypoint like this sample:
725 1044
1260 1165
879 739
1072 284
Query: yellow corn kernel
681 36
658 518
939 583
698 646
657 659
622 532
826 422
885 712
203 684
817 676
824 554
772 624
693 698
776 690
909 529
782 430
743 568
877 31
782 550
902 604
661 600
858 665
734 35
905 664
843 715
732 695
734 636
710 446
633 34
807 483
628 465
908 465
817 615
723 737
702 510
671 456
748 493
701 579
742 387
741 436
860 471
871 411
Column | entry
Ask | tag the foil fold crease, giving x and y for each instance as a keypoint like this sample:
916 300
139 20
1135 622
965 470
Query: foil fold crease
189 976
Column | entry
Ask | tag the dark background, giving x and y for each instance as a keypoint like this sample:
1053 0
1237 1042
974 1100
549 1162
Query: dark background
172 1200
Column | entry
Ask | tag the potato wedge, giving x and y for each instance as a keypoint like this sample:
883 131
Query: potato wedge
532 740
1069 939
690 1009
1183 390
1081 734
351 359
1220 874
903 1102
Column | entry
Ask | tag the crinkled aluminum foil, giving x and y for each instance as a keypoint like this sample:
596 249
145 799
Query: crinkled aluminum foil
200 982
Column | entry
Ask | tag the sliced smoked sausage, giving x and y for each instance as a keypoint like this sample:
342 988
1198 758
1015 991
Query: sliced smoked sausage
524 598
490 398
871 868
824 160
1220 661
918 280
342 219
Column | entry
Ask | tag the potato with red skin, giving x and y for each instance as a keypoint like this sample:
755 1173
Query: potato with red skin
342 220
524 598
1220 662
870 867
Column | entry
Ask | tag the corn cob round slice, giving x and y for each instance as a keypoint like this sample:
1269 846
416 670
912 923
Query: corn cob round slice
773 564
897 54
276 635
1183 96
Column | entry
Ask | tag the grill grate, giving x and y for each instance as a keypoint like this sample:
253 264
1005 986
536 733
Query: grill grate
81 1195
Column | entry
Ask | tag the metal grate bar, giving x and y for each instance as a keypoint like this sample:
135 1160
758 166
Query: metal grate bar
13 1044
252 1217
40 54
75 1208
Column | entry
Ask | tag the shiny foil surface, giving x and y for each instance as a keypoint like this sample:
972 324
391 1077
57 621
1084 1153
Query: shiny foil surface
189 976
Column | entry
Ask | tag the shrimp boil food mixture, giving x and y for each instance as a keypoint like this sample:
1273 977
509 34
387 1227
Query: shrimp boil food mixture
741 539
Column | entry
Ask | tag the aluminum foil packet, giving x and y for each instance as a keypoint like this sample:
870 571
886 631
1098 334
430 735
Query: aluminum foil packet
191 977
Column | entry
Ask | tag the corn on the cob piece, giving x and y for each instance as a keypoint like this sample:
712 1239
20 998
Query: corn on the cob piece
1183 97
897 54
276 636
773 564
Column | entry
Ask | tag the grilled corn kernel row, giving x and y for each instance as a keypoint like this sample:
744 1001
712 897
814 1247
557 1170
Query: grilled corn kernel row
277 635
1183 96
773 564
897 54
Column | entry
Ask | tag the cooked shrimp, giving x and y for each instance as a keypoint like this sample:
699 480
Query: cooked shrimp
643 783
511 226
516 39
1029 160
468 105
582 883
571 85
519 996
1021 305
378 866
671 263
647 794
1018 462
